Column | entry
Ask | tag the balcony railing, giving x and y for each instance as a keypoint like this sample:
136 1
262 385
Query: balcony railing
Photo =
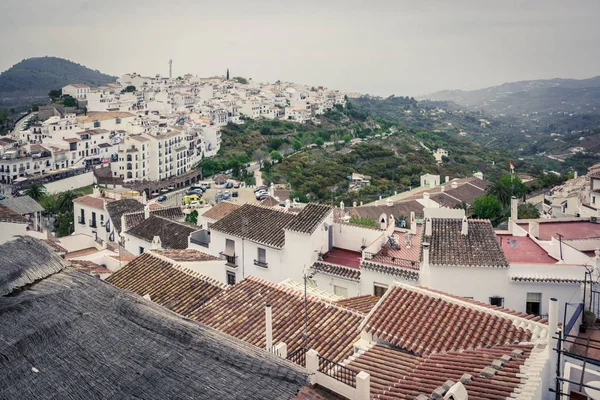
391 260
337 371
261 263
231 260
81 220
298 356
93 223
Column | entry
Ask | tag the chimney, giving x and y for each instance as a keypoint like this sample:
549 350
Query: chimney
146 212
454 185
156 243
447 179
268 327
342 205
426 199
361 203
514 208
389 202
287 204
574 174
425 269
428 227
353 204
123 225
413 223
379 197
442 188
465 227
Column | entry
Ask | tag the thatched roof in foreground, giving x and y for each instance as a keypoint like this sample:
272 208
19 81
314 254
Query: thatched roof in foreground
26 260
72 336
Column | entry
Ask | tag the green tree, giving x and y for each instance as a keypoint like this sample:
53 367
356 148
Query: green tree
227 74
192 218
365 221
36 191
487 206
297 145
64 224
528 211
64 202
319 141
55 94
347 138
241 80
49 203
129 89
69 102
506 187
276 156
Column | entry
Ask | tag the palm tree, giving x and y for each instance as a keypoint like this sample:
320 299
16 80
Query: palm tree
36 191
501 191
64 203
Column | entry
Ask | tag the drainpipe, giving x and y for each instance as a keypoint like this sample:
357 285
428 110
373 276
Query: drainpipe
269 327
552 342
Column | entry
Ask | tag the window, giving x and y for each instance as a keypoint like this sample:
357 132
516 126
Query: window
533 305
261 259
340 291
141 250
497 301
230 278
379 289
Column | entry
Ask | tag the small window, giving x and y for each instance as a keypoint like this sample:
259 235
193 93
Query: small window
262 255
141 250
340 291
230 278
533 305
379 289
497 301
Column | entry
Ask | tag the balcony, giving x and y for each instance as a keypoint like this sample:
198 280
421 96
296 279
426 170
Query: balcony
231 260
81 220
262 264
93 223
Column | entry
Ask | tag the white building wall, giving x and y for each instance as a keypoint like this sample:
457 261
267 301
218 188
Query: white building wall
74 182
211 269
85 228
352 237
328 283
368 279
477 283
9 230
133 244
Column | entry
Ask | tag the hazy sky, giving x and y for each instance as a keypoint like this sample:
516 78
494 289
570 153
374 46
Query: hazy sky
379 47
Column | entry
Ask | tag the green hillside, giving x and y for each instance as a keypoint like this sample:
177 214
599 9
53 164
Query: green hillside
30 80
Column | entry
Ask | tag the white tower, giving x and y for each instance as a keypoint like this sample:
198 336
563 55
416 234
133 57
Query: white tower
170 69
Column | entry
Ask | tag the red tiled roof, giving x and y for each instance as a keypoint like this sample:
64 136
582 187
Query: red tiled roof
187 255
221 210
363 304
337 270
90 201
396 374
344 257
426 322
522 249
240 312
569 230
8 215
178 289
58 248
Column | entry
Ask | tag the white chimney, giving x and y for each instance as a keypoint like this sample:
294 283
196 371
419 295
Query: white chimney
379 197
353 204
426 199
575 175
454 185
447 178
287 204
389 202
361 203
465 227
413 223
156 243
425 269
342 205
514 208
146 212
269 327
428 227
442 188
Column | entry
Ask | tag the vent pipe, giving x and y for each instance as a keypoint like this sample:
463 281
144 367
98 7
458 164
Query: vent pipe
146 212
465 227
269 327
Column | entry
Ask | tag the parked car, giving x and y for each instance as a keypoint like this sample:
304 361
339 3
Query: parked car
192 198
235 193
260 188
227 195
262 197
236 185
228 185
160 198
2 197
199 192
195 204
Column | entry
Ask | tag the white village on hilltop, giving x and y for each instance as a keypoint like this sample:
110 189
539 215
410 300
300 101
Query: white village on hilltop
269 296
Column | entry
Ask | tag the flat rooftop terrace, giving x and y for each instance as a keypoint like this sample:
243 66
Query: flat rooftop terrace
522 249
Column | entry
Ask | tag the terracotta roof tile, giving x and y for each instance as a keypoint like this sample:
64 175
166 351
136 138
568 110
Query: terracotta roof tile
58 248
135 218
479 248
407 272
90 201
117 208
173 235
8 215
363 304
309 218
221 210
337 270
240 312
188 255
426 322
167 284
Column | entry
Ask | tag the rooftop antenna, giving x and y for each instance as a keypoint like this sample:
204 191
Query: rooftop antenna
170 68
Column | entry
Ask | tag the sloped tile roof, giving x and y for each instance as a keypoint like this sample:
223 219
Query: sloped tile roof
309 218
337 270
173 235
58 248
22 205
397 209
407 273
363 304
259 224
426 322
188 255
221 210
396 374
546 279
117 208
135 218
8 215
240 312
480 248
90 201
173 287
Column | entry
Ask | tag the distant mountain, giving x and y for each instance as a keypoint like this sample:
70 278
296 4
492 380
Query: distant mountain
526 97
30 80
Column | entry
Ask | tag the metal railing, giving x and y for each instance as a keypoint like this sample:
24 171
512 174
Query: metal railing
230 260
298 356
81 220
391 260
262 264
93 223
337 371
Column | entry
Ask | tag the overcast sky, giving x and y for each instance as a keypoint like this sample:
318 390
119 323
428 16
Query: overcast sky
379 47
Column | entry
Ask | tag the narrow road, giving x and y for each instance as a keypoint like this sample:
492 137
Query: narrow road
19 125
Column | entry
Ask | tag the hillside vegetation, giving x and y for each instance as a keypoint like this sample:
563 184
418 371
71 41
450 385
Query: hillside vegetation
30 80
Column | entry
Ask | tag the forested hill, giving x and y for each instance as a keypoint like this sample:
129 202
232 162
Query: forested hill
525 97
30 80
